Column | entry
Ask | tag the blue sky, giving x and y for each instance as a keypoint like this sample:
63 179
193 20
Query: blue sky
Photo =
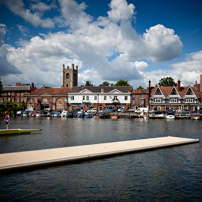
135 40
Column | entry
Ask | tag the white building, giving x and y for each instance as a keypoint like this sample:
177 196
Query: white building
100 97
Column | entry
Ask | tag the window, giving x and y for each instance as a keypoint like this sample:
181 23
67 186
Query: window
141 101
142 95
72 97
18 99
189 100
87 97
13 93
60 106
173 92
158 92
18 93
173 100
9 93
157 100
189 92
67 76
105 97
126 97
59 100
83 97
53 100
95 98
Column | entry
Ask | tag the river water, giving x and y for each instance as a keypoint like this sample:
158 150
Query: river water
171 174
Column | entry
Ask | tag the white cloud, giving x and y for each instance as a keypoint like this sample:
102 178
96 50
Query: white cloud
121 11
3 30
24 31
187 71
18 7
90 43
40 6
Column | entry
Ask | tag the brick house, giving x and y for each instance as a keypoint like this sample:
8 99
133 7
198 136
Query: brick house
174 97
48 98
140 98
16 93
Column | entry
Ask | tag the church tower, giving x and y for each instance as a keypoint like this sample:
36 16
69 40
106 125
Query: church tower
69 76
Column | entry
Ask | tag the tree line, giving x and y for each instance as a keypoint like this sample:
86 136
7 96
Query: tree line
167 81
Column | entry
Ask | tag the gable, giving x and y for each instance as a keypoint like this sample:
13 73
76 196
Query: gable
189 93
173 93
44 94
115 91
85 91
158 92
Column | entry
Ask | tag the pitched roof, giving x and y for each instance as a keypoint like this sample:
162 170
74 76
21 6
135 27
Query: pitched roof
140 91
51 91
16 88
183 89
98 89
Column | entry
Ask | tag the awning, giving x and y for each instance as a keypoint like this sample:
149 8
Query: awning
81 104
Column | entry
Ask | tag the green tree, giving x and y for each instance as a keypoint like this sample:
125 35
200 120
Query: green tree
140 87
105 83
122 83
167 81
88 83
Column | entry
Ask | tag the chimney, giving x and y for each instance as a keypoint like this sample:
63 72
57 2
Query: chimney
63 66
196 85
18 84
200 83
149 85
72 66
178 85
77 67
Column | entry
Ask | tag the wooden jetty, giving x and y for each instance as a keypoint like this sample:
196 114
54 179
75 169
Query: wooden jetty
17 131
20 160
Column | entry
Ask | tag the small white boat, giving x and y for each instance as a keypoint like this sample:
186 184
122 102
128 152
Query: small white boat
170 114
64 113
195 115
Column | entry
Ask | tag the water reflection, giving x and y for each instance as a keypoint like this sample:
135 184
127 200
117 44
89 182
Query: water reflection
172 174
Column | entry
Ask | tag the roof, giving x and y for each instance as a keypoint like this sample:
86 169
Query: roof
183 89
51 91
17 88
140 91
98 89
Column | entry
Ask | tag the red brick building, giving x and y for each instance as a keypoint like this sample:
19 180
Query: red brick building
16 93
48 98
140 98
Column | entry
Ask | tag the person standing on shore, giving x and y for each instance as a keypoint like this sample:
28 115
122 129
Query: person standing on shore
7 119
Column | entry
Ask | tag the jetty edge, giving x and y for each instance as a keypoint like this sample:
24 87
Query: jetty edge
17 131
37 158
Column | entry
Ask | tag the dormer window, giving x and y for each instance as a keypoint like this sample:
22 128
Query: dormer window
102 90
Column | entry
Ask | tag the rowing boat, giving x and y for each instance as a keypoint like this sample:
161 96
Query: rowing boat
17 131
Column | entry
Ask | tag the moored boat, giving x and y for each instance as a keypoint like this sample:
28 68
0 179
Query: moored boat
170 114
195 115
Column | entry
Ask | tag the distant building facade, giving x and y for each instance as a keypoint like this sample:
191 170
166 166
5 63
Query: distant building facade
69 76
100 97
48 98
140 98
175 97
16 93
